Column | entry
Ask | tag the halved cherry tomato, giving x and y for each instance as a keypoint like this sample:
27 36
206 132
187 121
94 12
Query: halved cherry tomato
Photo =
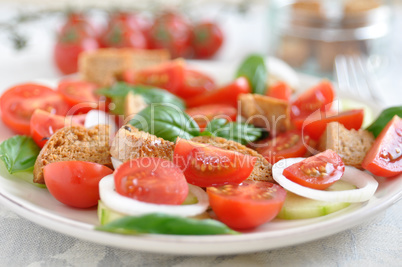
44 124
75 183
18 104
385 156
290 144
152 180
280 90
169 76
206 165
195 83
207 39
317 172
224 95
318 97
173 32
204 114
81 96
315 124
248 204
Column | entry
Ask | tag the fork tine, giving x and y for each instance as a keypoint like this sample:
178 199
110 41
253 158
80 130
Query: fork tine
341 73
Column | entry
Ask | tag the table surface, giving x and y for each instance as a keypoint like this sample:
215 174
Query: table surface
377 242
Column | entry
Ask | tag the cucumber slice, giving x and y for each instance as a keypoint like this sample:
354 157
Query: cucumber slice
298 207
106 215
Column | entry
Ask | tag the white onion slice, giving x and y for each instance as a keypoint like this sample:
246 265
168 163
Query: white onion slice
365 183
130 206
116 163
95 117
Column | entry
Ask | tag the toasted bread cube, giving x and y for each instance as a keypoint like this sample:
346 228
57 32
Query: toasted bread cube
132 105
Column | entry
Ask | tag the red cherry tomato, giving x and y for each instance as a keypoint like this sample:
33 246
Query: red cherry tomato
18 104
206 165
78 23
280 90
385 156
122 31
75 183
195 83
204 114
314 125
287 145
173 32
224 95
81 96
152 180
246 205
207 39
169 76
317 172
319 97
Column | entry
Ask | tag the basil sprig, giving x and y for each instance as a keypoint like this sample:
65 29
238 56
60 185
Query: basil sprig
159 223
386 115
150 94
166 121
240 132
255 70
19 153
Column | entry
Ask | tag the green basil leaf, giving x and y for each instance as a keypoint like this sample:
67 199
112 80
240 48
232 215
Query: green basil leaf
150 94
240 132
158 223
19 153
254 69
166 121
386 115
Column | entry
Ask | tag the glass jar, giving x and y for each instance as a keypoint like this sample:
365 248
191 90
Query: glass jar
308 35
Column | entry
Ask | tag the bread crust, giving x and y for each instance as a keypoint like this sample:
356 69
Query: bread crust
74 143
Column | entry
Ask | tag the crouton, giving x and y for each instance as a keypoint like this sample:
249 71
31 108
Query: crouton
266 112
351 145
262 170
132 105
74 143
104 65
130 143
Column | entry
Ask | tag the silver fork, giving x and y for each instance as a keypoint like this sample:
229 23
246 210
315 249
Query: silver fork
355 78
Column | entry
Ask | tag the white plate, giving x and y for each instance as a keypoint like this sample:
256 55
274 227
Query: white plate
37 205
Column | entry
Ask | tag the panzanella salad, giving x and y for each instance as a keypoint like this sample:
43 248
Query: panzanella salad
161 148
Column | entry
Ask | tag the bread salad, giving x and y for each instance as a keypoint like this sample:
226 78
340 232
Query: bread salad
160 148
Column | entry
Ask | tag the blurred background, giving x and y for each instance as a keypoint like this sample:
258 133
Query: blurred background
42 38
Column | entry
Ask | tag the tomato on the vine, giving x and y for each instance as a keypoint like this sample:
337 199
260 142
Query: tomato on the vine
207 38
206 165
173 32
152 180
317 172
18 103
75 183
246 205
385 156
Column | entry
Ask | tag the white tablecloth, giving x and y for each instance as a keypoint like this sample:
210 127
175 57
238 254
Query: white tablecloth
374 243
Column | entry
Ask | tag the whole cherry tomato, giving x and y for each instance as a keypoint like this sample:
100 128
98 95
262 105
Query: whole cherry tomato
122 31
75 37
173 32
207 39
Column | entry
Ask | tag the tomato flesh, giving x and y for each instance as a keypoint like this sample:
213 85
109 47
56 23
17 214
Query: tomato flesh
280 90
18 104
75 183
315 125
152 180
225 95
385 156
204 114
317 172
290 144
195 83
205 165
246 205
81 96
318 97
